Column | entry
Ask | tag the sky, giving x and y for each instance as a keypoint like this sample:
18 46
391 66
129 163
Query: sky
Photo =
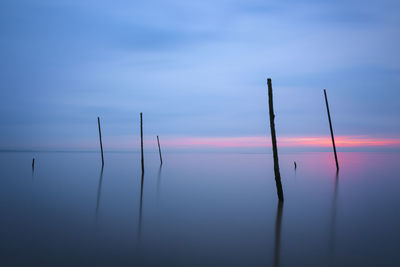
198 72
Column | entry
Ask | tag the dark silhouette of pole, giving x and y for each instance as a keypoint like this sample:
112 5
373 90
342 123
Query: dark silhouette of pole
101 143
295 165
33 164
274 146
330 126
159 149
141 140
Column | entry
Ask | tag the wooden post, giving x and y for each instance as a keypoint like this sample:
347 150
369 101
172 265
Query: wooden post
141 139
159 149
33 164
330 126
101 143
274 146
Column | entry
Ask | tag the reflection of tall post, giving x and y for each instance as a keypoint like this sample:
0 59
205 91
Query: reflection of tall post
140 208
274 146
334 212
159 149
278 233
101 143
99 191
330 126
33 167
158 180
141 140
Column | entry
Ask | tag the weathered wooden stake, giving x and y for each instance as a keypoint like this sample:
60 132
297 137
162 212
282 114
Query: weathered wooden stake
159 149
141 139
274 146
330 126
101 143
295 165
33 164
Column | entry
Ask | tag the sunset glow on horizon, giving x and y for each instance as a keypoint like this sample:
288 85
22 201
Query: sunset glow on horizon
260 141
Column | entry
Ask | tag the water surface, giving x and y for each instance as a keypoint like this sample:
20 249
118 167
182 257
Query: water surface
199 209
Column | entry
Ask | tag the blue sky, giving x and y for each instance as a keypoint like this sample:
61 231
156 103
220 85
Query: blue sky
195 69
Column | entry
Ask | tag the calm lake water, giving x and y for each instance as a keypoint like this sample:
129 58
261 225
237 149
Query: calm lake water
199 209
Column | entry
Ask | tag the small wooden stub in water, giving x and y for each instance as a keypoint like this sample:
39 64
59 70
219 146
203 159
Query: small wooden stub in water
274 145
33 164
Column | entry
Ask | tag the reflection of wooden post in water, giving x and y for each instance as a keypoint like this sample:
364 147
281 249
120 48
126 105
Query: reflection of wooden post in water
158 181
159 149
278 233
330 126
140 208
274 146
141 140
101 143
99 191
334 213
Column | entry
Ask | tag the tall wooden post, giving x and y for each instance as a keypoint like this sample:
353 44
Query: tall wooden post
141 140
330 126
101 143
274 146
159 149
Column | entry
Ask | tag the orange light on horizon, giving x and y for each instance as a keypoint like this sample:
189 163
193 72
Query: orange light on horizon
260 141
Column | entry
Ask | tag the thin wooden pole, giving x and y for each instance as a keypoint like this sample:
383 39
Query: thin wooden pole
330 126
159 149
274 146
101 142
141 139
33 164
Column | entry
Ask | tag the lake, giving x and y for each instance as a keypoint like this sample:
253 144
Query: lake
199 209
